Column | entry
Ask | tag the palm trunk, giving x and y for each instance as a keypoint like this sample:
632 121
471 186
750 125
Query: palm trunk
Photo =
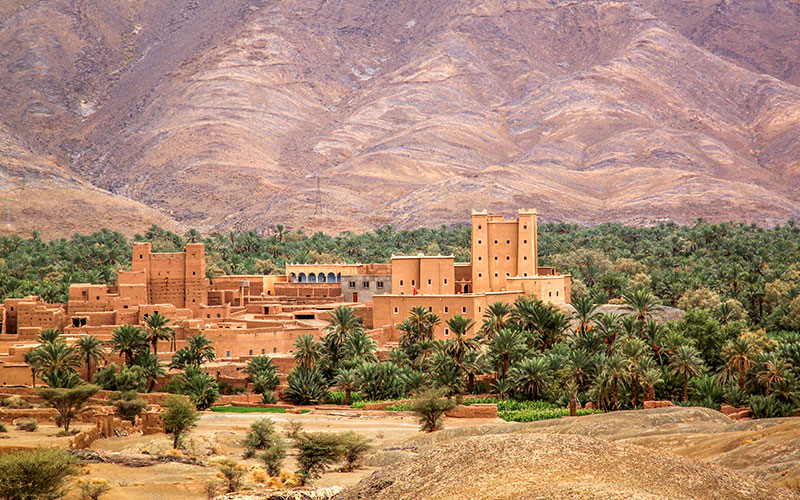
506 362
573 405
685 388
616 396
741 379
152 385
348 399
470 382
635 393
155 346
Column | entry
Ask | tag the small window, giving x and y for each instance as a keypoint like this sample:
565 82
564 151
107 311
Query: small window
445 281
219 315
464 310
480 227
446 309
141 256
480 258
352 284
479 309
480 275
495 257
251 352
227 354
556 293
396 310
496 275
263 351
194 273
524 242
365 284
508 257
379 284
98 297
524 257
508 242
507 275
83 293
429 282
275 349
430 309
525 274
549 294
446 332
413 282
401 282
479 242
525 226
496 242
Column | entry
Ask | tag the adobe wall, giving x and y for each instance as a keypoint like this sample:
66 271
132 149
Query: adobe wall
362 287
320 290
552 289
27 316
423 275
502 249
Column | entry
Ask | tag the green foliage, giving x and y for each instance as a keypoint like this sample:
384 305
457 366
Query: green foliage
233 475
15 403
770 407
380 381
129 405
306 386
273 456
316 451
27 424
69 403
200 387
354 447
92 489
128 378
430 407
39 474
179 416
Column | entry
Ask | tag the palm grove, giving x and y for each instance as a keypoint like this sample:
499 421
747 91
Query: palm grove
738 342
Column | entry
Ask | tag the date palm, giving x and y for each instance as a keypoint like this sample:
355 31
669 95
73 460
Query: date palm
419 326
91 350
347 380
585 312
531 376
494 319
506 346
774 372
342 322
156 328
642 304
686 363
151 366
128 340
359 346
460 344
56 363
615 371
307 351
739 357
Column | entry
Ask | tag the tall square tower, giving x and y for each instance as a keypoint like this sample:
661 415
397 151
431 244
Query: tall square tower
502 249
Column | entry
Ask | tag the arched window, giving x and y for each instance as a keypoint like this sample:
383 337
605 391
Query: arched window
321 278
339 278
312 278
302 277
294 278
331 278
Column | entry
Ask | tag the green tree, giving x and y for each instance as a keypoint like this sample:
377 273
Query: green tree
91 350
358 347
37 474
307 352
151 366
460 344
201 387
532 375
157 328
128 340
56 363
179 417
347 380
504 347
69 403
738 357
686 363
342 322
430 407
494 319
306 387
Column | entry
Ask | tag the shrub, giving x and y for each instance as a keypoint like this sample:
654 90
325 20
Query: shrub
27 424
261 436
430 407
338 397
92 489
354 447
293 428
211 488
232 473
179 416
770 407
15 403
733 395
35 474
3 427
316 452
273 456
380 381
306 386
129 405
128 378
200 387
69 403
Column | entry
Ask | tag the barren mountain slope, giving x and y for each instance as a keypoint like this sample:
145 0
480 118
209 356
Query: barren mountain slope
550 466
223 114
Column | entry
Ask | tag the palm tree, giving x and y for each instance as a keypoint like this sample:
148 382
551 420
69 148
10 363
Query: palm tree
460 344
307 352
56 363
347 380
579 367
686 362
635 350
151 367
156 329
494 319
531 375
128 340
648 379
359 346
201 349
739 355
342 322
506 346
642 304
585 312
48 335
474 364
608 328
775 371
91 350
615 371
419 325
192 236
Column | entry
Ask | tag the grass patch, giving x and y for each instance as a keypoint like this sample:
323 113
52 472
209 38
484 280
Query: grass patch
248 409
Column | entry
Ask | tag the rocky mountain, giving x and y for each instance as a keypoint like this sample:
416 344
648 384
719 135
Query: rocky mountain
347 114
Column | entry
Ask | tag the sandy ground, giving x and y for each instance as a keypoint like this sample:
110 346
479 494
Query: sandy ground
224 434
